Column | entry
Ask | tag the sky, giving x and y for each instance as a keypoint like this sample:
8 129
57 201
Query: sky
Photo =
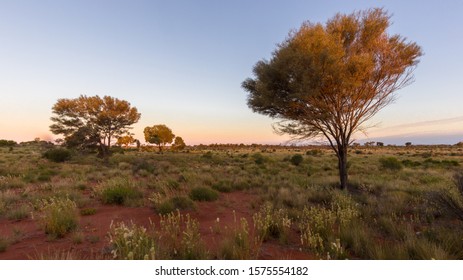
181 63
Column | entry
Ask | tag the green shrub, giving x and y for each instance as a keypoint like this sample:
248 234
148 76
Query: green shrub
177 202
58 155
88 211
429 162
315 152
182 202
203 194
165 207
120 191
59 216
297 159
390 163
259 158
142 164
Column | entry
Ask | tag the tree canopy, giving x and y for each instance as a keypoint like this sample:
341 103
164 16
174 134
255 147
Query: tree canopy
125 140
178 144
329 80
92 120
159 134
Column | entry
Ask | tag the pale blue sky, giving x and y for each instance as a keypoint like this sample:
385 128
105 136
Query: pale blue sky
181 63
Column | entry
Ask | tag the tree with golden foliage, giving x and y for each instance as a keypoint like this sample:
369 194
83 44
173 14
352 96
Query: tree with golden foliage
92 120
125 140
329 80
159 134
178 144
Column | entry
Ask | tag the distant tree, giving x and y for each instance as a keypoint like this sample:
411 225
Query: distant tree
369 144
179 144
92 121
408 144
159 134
328 80
125 140
7 143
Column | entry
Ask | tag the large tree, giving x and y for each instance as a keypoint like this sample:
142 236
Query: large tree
159 134
92 120
329 80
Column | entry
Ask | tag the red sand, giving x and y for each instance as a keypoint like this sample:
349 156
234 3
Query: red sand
33 243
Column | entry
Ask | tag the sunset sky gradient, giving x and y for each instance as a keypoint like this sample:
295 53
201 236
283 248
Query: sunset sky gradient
181 63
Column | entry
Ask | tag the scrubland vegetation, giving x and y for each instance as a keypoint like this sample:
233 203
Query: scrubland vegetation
402 203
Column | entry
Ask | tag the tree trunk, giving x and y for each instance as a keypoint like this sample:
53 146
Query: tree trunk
342 164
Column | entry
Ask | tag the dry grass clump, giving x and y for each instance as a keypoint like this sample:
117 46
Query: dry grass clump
58 216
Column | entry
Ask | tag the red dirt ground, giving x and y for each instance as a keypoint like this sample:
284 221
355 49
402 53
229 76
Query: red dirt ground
32 243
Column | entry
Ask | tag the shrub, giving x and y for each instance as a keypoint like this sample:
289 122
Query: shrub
259 158
451 201
203 194
58 155
410 163
142 164
59 216
315 152
239 245
390 163
180 238
272 223
88 211
120 191
131 242
164 207
182 202
297 159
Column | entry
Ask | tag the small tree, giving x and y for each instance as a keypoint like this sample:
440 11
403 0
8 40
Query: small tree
369 144
179 144
125 140
328 80
92 121
159 134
